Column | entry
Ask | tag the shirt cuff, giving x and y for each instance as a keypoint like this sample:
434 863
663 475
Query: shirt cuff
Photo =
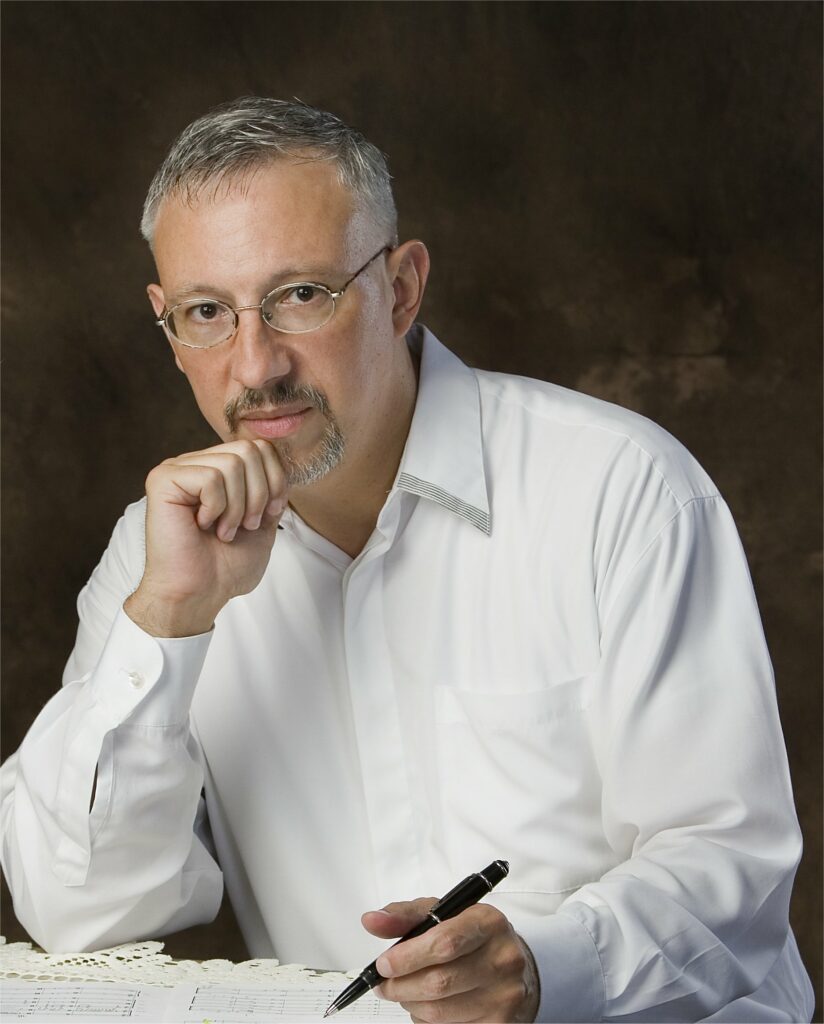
569 968
127 679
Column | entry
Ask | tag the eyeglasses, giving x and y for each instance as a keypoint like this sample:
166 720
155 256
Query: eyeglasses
295 308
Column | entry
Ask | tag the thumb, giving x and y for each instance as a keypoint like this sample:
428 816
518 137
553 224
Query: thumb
397 918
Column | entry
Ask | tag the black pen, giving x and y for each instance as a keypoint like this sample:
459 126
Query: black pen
465 894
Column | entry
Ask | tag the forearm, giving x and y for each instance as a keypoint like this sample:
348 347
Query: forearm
696 799
679 936
131 865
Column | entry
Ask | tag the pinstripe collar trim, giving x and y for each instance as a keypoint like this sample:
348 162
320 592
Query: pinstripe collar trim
474 515
443 458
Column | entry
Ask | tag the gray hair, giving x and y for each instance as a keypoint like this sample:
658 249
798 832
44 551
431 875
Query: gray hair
246 133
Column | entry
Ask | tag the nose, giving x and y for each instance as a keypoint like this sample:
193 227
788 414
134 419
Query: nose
259 355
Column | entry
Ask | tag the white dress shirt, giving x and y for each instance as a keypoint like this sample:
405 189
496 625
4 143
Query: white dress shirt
549 651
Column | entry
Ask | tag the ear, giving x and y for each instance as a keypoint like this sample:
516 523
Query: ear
158 301
409 268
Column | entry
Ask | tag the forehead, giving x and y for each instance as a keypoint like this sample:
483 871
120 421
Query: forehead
288 214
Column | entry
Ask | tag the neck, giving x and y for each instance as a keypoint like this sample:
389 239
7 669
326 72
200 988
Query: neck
344 506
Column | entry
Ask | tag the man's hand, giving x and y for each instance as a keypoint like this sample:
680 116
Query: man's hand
472 967
211 520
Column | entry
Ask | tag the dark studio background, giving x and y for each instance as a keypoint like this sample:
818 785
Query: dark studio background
623 198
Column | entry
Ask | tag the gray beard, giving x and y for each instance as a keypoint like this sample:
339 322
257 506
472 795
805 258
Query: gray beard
323 460
331 447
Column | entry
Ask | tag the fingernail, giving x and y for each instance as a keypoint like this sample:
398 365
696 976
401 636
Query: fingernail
229 536
384 967
254 522
275 507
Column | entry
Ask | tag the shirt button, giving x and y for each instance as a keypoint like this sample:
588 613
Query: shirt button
135 679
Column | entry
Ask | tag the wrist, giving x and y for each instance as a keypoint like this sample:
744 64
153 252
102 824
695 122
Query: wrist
532 984
161 616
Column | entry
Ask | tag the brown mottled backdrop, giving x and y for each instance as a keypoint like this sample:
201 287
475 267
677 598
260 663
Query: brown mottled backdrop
621 197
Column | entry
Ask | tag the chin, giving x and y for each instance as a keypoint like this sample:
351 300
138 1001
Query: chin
305 470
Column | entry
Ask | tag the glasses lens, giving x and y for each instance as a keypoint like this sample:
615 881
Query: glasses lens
201 322
296 308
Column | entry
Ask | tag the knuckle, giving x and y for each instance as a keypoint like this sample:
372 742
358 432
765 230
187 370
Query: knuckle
263 448
516 996
155 475
213 479
446 946
490 917
234 462
510 958
241 449
437 983
435 1013
271 459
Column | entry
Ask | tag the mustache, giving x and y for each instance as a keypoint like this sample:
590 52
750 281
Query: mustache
281 393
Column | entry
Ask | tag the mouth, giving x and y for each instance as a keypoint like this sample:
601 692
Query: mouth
274 423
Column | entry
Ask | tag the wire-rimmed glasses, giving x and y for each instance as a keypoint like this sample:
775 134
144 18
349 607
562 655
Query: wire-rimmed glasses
295 308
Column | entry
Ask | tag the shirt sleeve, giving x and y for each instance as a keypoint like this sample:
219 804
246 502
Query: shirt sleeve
130 864
696 790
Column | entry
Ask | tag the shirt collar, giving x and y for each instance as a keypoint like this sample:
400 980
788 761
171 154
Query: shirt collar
443 458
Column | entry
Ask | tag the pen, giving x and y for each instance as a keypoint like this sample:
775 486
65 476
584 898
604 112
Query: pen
465 894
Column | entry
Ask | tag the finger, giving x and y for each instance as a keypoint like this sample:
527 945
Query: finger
478 1005
438 982
275 478
397 918
497 982
447 941
257 484
230 466
201 487
247 483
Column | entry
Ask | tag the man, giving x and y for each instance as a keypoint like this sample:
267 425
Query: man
499 620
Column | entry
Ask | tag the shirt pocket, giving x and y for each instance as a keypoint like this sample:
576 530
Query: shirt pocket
520 782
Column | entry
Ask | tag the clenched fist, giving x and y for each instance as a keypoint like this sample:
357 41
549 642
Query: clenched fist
211 520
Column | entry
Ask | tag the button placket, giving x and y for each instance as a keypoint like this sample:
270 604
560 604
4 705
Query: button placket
377 723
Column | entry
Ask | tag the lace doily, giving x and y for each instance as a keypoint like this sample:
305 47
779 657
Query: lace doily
145 963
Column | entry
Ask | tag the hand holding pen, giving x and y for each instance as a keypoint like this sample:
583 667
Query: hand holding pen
471 966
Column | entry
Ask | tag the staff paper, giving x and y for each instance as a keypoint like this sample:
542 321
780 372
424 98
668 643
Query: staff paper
81 1002
221 1005
104 1003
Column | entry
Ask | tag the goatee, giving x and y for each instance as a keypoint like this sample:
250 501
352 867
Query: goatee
328 452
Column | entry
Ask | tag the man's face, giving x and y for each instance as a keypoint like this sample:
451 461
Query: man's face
309 393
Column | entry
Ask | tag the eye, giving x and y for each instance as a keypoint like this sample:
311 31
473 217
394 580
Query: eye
301 295
204 312
203 316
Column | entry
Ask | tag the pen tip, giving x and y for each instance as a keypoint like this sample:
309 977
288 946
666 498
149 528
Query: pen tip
330 1011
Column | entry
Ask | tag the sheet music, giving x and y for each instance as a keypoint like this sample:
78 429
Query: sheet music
105 1003
80 1002
221 1005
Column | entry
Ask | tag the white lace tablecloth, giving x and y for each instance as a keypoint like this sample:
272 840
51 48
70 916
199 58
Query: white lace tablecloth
145 963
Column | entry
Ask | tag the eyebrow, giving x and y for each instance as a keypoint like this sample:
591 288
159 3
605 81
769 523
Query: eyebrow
292 275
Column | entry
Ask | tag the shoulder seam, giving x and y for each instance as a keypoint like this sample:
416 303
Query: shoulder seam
618 434
659 532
